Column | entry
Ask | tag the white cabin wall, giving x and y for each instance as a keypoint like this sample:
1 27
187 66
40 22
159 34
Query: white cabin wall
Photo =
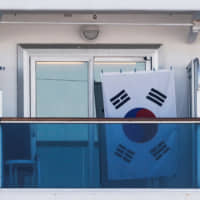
99 5
175 50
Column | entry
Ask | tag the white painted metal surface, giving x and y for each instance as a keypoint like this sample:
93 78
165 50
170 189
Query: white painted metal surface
99 194
98 23
100 5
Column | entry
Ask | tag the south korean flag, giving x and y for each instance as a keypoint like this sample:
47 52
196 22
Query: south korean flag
137 151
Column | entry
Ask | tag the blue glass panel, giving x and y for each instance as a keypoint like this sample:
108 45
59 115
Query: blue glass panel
81 155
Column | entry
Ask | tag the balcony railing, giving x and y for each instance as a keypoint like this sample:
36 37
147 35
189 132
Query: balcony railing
99 153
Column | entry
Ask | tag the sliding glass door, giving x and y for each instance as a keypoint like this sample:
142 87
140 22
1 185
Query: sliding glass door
72 87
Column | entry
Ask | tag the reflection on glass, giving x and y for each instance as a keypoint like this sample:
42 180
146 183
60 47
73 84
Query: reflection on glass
123 155
116 66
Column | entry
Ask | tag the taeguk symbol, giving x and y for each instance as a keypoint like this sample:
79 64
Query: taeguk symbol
140 133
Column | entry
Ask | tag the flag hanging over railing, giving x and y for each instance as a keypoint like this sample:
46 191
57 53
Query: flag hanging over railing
140 150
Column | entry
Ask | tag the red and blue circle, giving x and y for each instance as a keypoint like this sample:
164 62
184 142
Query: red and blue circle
140 133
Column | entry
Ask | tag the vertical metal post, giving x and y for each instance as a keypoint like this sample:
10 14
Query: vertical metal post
91 87
197 155
196 129
194 81
1 157
1 141
192 102
194 133
193 90
91 126
33 87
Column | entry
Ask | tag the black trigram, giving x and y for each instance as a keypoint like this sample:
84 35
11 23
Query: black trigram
124 153
120 99
156 97
159 150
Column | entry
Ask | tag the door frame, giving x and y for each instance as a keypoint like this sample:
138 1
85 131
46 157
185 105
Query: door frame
29 54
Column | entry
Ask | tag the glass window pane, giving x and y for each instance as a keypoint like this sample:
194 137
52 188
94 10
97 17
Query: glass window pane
62 89
116 67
